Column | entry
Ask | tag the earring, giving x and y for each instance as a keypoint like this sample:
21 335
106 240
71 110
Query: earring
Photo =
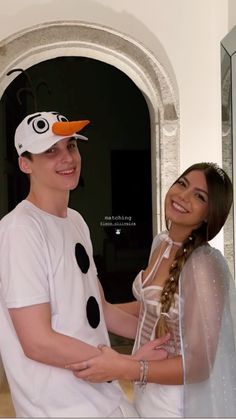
207 235
168 222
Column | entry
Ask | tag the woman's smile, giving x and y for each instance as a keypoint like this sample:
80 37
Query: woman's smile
179 207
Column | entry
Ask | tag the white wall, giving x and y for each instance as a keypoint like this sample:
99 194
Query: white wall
184 34
232 14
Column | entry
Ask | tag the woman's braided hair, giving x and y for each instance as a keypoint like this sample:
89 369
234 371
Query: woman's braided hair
220 196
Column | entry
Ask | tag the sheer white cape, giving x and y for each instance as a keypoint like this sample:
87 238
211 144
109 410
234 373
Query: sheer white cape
208 334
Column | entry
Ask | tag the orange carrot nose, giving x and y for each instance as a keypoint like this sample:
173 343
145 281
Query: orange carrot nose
68 127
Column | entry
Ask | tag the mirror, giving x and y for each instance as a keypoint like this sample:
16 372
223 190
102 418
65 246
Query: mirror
228 101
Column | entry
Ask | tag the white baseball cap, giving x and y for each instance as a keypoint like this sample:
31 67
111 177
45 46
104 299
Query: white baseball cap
39 131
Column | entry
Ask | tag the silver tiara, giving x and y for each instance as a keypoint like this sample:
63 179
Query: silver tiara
218 170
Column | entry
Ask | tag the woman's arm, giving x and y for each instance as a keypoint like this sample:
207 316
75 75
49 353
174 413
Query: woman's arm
203 289
111 365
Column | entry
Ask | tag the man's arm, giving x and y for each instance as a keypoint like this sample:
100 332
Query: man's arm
118 321
132 307
43 344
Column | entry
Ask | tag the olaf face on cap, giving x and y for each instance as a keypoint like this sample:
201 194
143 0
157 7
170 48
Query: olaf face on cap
39 131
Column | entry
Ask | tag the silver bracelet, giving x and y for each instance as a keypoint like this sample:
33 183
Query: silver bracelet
144 365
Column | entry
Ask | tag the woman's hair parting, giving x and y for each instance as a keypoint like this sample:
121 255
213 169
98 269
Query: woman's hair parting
220 197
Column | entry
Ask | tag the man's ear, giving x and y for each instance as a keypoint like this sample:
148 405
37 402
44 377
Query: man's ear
24 165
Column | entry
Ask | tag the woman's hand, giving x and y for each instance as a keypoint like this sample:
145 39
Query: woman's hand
111 365
153 351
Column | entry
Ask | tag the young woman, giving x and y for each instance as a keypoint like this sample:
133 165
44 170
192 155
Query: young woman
185 290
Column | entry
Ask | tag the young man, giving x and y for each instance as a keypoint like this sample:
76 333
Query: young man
50 303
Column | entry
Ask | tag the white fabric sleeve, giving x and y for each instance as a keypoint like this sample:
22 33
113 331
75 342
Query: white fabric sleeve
208 335
156 241
24 276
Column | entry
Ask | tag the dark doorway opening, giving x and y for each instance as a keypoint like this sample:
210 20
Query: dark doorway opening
114 194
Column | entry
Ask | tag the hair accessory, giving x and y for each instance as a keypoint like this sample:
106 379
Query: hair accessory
39 131
218 170
174 264
165 314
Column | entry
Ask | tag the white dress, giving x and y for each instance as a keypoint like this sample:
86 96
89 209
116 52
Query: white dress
157 400
203 331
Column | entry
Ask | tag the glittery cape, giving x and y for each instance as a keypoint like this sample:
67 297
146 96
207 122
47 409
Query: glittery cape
207 327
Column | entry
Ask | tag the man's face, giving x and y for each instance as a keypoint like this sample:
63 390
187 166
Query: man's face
57 168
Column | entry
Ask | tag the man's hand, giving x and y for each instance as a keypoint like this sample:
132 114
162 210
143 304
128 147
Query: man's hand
109 365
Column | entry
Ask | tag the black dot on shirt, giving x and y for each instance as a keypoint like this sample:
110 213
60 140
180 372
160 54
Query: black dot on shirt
93 312
82 258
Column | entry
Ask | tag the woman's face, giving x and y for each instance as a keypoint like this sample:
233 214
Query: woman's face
186 202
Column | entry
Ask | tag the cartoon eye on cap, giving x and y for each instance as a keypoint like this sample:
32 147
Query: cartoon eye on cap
40 125
62 118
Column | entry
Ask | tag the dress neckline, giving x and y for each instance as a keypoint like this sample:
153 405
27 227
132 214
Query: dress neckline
171 243
165 254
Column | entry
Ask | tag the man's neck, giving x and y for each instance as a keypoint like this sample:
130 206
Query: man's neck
53 203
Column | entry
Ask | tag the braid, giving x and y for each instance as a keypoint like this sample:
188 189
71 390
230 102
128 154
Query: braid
171 284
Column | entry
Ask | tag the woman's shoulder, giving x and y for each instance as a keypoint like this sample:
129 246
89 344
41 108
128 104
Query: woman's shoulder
207 260
207 252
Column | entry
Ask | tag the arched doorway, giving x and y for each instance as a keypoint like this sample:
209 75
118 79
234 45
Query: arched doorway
74 38
77 39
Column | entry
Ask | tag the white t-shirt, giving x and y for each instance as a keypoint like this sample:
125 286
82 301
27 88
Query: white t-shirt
44 258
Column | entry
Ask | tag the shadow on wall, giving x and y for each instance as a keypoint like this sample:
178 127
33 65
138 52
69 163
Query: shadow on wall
93 12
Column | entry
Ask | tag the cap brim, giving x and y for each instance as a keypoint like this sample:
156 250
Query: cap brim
40 146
